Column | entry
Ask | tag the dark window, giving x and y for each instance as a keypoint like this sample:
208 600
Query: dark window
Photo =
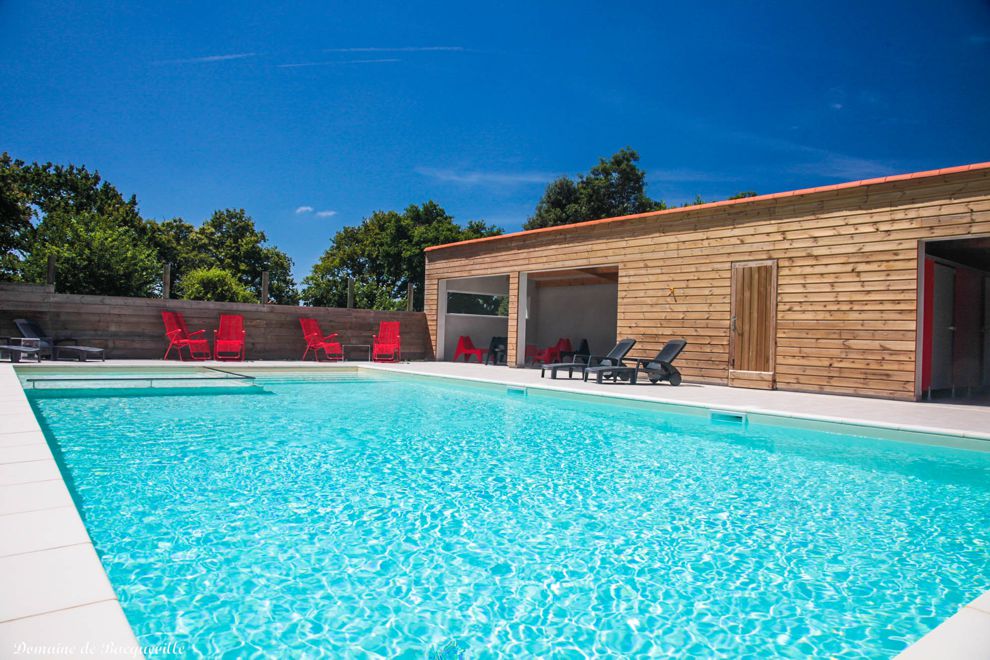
477 303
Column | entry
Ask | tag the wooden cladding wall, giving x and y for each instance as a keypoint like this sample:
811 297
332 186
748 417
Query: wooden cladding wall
132 327
847 276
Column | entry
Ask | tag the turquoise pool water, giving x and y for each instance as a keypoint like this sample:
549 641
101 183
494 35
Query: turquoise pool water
364 516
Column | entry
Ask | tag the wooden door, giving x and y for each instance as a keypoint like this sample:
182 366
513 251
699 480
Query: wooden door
753 324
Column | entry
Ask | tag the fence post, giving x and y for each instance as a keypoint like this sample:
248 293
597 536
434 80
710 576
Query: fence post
409 297
350 292
167 282
50 279
264 287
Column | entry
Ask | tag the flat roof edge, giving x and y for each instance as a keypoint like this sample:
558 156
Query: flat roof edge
727 202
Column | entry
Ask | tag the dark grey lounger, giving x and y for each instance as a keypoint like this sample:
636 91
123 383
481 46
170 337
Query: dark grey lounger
17 352
657 369
31 330
582 364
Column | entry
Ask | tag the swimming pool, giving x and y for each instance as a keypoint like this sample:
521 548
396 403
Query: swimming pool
369 514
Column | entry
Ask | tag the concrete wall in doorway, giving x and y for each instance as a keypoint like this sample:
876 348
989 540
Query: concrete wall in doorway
479 328
576 312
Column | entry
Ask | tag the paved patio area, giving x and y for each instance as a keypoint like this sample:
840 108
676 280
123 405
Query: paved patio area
55 591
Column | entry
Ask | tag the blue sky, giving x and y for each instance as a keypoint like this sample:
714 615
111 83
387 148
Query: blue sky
311 116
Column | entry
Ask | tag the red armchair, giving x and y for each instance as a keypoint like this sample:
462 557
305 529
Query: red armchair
179 337
467 348
316 342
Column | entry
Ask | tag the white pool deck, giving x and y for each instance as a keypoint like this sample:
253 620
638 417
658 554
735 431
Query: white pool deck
56 600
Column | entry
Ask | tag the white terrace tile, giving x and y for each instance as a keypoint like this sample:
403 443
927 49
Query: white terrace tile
965 636
22 473
982 603
41 530
90 631
23 438
35 496
18 423
49 580
24 453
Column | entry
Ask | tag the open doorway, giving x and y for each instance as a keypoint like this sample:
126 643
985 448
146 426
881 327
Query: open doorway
569 307
475 310
955 320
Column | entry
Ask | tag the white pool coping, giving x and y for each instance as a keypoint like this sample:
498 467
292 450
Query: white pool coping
57 600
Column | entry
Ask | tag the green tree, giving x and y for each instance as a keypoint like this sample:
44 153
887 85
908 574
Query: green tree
15 217
229 240
214 284
613 187
383 255
95 254
171 240
744 194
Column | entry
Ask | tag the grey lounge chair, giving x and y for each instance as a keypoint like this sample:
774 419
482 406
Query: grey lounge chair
582 363
54 347
16 351
657 369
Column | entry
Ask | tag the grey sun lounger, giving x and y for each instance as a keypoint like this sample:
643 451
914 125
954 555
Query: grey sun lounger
55 347
17 351
657 369
582 363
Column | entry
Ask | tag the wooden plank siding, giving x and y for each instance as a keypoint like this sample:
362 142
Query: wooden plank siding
847 278
132 327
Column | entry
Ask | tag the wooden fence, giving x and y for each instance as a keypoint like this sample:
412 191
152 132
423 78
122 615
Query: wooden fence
131 328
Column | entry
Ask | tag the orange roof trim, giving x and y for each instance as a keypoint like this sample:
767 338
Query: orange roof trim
728 202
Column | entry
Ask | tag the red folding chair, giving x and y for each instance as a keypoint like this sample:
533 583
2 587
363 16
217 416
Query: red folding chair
552 354
386 346
316 342
467 348
228 339
179 337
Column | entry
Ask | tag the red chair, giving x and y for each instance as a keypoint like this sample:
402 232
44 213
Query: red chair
386 346
552 354
467 348
228 339
179 337
316 342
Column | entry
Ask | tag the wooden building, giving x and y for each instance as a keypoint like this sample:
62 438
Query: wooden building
877 288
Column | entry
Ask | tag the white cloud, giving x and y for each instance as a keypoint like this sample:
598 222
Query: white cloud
481 178
816 161
325 214
209 58
304 209
296 65
397 49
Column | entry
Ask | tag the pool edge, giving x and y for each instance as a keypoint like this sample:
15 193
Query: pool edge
41 609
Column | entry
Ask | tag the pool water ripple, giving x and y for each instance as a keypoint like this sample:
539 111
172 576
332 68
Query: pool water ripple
399 519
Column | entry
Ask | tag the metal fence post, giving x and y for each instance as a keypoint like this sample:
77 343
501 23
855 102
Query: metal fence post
409 297
264 287
350 292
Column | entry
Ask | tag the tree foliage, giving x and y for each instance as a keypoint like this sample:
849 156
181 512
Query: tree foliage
15 217
215 284
383 255
95 254
227 240
613 187
47 208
